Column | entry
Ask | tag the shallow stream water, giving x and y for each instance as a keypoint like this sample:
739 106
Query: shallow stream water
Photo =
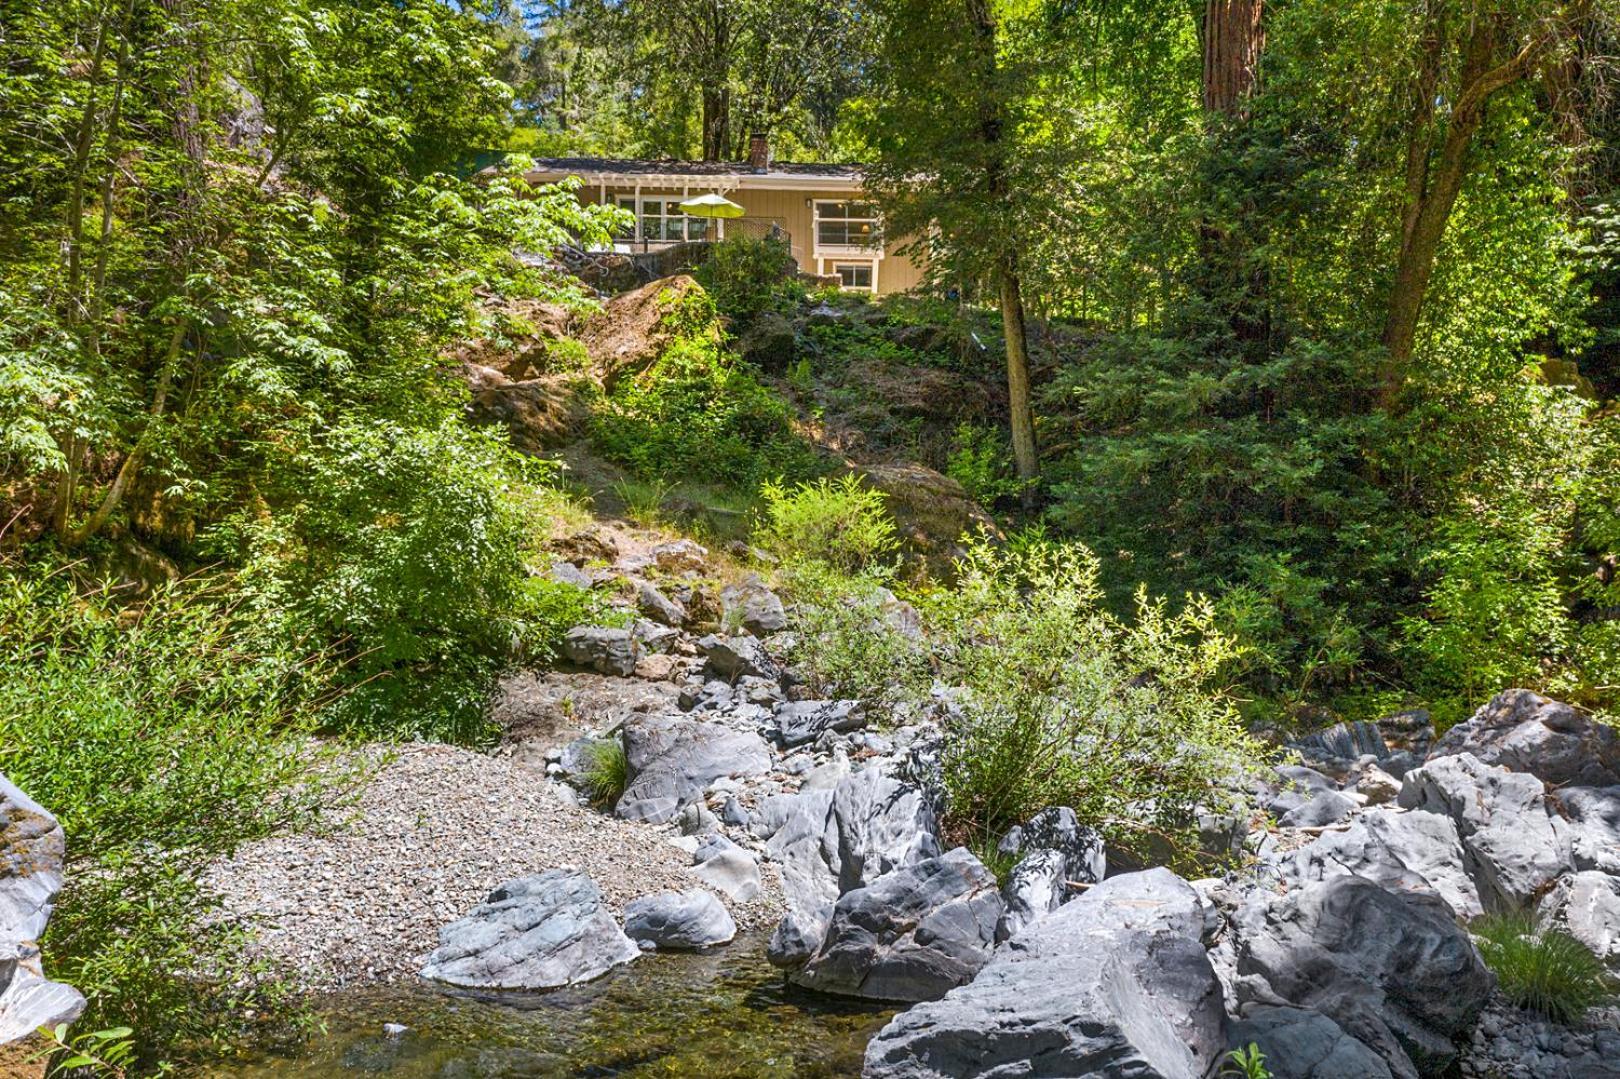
724 1014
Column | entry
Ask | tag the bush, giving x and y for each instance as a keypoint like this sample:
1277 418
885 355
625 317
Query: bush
848 638
981 461
700 414
163 737
839 522
1540 968
404 549
606 772
748 275
1061 703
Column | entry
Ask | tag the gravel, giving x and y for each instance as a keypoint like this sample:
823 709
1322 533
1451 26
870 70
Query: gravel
433 832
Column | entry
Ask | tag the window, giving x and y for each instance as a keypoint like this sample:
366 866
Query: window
847 224
661 220
854 275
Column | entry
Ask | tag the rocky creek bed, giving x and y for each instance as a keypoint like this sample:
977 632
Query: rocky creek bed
797 841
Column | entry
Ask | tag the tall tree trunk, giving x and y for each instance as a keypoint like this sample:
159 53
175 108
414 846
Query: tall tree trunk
1017 342
992 124
716 123
1434 179
1233 38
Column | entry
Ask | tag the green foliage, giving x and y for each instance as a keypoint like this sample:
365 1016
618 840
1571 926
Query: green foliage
699 413
402 547
606 771
840 522
1541 968
749 275
851 636
163 737
1246 1063
1061 703
106 1054
981 461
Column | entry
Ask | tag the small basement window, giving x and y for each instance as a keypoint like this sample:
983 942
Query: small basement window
854 275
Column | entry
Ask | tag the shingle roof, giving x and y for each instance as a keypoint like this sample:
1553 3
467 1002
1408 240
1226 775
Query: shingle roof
627 166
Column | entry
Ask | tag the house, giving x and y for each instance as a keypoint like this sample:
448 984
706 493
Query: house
819 209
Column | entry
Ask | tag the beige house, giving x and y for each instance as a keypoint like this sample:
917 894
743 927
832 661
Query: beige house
820 209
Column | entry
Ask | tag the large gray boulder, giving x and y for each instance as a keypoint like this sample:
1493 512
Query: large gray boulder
1594 824
32 849
1054 850
536 932
748 604
603 648
732 658
1406 851
834 840
659 607
1516 845
672 760
1587 904
912 934
677 921
1527 732
1302 1044
1392 968
1115 983
799 722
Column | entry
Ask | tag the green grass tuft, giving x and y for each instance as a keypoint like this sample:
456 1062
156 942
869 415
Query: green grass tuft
1543 969
607 772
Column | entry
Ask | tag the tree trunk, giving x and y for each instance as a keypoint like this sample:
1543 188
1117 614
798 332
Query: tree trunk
1432 186
1233 39
1017 342
716 123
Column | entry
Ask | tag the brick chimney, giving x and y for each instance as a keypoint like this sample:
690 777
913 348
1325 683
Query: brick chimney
759 151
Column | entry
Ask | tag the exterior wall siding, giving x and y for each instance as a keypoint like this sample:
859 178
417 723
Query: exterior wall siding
793 211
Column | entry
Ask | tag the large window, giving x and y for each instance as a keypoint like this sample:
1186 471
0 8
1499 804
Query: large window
662 220
855 276
847 224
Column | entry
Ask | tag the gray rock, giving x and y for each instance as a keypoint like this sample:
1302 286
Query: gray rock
680 556
1527 732
799 722
1115 983
1587 904
1410 851
1345 741
1594 824
1302 1044
834 841
1392 968
1516 846
536 932
570 574
734 873
1323 808
32 850
673 759
603 648
655 638
734 657
912 934
677 921
748 604
1056 849
578 755
695 819
659 607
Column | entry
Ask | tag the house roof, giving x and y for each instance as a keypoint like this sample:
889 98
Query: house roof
730 174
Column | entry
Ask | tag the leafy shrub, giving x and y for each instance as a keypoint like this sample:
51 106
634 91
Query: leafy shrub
1246 1063
606 772
1541 968
849 636
981 461
698 413
163 737
403 548
1062 703
837 521
748 275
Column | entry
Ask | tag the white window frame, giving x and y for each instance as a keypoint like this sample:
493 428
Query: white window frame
869 265
846 252
638 203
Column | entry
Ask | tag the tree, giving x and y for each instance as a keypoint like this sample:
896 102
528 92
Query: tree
1232 37
1467 55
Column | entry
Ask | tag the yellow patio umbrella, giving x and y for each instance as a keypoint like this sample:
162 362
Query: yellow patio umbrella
711 205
